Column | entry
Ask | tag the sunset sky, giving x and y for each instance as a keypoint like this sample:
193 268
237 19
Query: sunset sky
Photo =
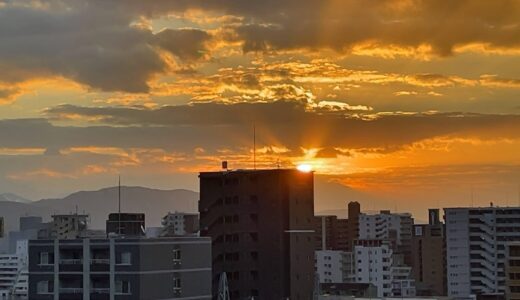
399 104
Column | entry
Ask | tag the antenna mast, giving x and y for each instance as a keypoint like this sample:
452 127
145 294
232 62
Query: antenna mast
119 205
254 146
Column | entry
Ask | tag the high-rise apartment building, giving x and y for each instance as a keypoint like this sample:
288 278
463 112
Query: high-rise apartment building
373 264
14 273
262 231
333 233
120 268
354 211
377 264
428 252
513 271
327 233
476 243
333 266
393 227
2 229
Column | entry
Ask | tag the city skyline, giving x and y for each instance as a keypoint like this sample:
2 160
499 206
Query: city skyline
390 106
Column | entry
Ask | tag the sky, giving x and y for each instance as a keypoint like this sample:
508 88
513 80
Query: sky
399 104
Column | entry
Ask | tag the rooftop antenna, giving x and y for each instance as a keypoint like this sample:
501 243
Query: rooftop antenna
472 196
119 205
254 146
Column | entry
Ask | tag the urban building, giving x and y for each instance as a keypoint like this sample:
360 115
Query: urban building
179 224
14 274
428 256
127 224
66 226
347 289
352 228
261 225
327 233
373 264
2 229
393 227
513 271
476 243
120 268
29 227
333 266
376 263
403 284
333 233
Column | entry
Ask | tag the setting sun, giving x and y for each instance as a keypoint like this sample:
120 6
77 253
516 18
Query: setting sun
304 168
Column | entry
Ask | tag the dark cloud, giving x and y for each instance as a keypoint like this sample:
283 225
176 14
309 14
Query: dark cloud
95 45
291 124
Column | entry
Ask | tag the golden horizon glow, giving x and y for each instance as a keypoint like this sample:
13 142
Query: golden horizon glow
306 168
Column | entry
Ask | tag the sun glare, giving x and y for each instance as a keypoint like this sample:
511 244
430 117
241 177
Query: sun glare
304 168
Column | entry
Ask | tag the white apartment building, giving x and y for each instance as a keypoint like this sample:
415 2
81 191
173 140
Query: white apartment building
334 266
14 274
476 240
386 226
179 223
373 264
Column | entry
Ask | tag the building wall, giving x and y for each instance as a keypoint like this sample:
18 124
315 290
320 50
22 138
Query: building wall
513 271
428 263
373 265
396 228
457 252
261 225
333 266
476 243
152 268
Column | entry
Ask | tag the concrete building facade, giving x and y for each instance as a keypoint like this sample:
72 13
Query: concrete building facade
262 229
122 268
476 242
14 274
513 271
429 259
393 227
334 266
179 223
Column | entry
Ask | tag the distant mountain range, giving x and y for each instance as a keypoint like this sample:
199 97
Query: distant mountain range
98 204
13 198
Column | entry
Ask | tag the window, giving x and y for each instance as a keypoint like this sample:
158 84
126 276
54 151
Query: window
122 287
44 287
176 255
125 258
46 258
176 284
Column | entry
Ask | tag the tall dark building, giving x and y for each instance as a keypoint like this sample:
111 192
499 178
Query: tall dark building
354 210
331 233
428 256
128 224
261 226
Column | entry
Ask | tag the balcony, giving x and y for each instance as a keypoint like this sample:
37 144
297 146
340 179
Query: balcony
70 290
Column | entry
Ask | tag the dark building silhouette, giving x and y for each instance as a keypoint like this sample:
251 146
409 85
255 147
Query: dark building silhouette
428 256
354 210
261 226
128 224
328 232
333 233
